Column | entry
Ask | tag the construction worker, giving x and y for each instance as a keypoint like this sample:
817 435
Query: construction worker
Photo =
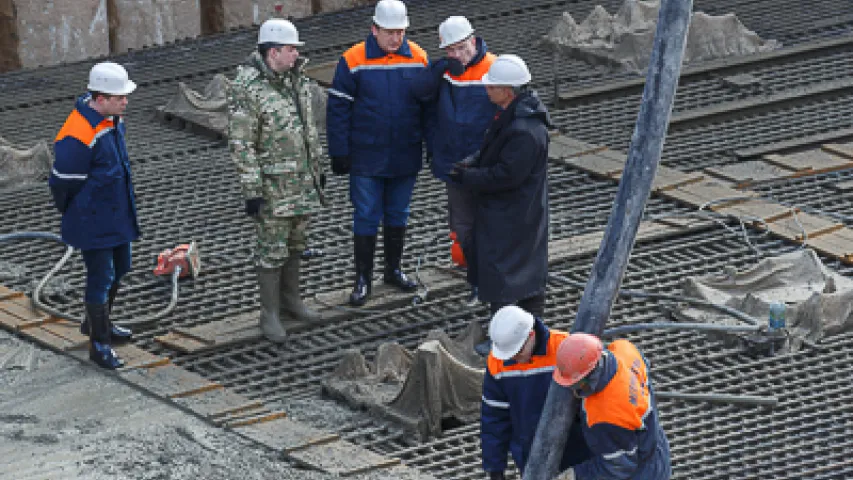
516 383
375 128
618 411
275 145
92 187
464 112
509 179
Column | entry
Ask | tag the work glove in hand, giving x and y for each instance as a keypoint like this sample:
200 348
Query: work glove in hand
455 67
253 206
341 165
497 476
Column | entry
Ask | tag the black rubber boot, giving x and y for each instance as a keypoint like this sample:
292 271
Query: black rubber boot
394 240
365 248
292 308
100 348
117 334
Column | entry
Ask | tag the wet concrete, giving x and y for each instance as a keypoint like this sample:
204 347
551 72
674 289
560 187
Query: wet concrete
60 419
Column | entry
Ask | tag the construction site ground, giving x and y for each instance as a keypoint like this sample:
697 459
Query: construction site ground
758 162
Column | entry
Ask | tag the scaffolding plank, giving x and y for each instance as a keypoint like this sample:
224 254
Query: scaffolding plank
744 174
341 458
169 381
810 162
286 435
792 227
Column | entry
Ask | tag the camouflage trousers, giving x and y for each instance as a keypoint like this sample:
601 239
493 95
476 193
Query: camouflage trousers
278 237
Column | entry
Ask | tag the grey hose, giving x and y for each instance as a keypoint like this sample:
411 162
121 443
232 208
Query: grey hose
660 296
719 398
612 332
61 263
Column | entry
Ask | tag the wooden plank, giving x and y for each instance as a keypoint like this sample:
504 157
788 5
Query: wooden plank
756 210
169 381
218 403
792 227
562 147
49 339
704 193
833 245
244 327
69 331
744 174
253 420
8 293
286 435
600 164
341 458
669 178
135 357
841 149
810 162
17 313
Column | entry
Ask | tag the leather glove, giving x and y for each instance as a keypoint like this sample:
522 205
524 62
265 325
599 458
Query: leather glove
253 206
455 67
497 476
341 165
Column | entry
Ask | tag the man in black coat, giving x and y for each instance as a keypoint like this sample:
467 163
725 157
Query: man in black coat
510 179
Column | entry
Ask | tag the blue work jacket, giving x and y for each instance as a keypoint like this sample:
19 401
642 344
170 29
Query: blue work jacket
91 181
372 115
463 109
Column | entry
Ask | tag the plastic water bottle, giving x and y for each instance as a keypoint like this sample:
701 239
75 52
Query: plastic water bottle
777 315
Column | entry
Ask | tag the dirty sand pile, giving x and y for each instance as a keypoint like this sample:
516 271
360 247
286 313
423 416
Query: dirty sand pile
441 380
22 166
819 301
625 39
208 108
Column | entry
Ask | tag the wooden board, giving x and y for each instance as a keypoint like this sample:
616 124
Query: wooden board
602 164
744 174
837 244
341 458
562 147
17 313
66 330
669 178
286 435
756 210
703 193
841 149
245 327
810 162
135 357
218 403
792 227
169 381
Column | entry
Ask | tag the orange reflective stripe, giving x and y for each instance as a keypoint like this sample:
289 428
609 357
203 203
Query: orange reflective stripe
626 399
476 72
356 58
538 363
76 126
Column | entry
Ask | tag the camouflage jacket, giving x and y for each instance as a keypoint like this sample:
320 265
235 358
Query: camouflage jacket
273 138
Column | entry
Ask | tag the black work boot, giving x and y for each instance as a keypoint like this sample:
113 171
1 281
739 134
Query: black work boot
365 248
117 334
291 307
100 348
394 239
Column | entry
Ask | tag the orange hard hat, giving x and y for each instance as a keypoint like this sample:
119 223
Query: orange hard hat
576 357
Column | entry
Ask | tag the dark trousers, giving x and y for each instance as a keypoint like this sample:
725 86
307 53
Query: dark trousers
104 267
534 305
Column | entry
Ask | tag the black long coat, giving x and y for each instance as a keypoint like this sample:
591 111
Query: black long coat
511 183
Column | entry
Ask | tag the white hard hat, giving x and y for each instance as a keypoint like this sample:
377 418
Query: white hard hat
278 31
110 78
509 329
454 30
391 14
507 70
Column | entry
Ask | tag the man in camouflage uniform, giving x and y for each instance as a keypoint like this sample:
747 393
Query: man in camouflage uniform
275 145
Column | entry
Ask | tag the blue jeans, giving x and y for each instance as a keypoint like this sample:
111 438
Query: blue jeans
104 267
380 199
